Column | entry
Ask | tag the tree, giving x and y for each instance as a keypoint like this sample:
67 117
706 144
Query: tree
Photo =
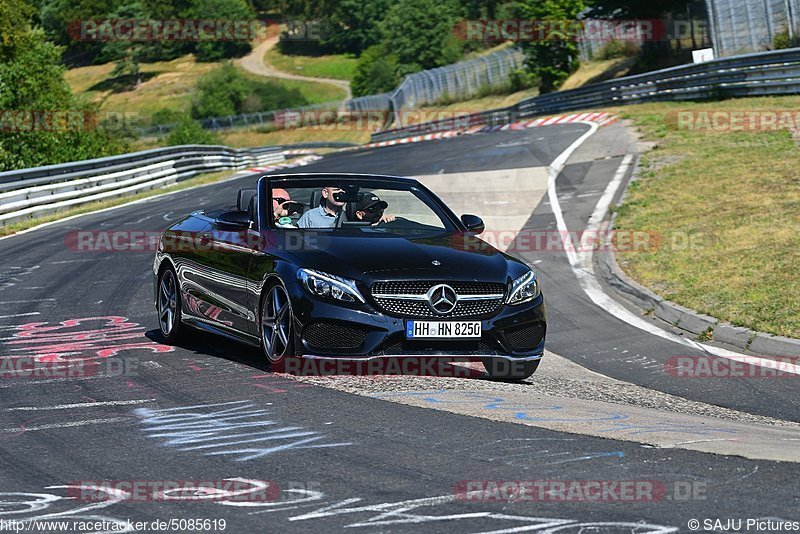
32 82
190 132
420 33
554 58
353 25
644 9
129 54
376 72
228 10
226 91
220 93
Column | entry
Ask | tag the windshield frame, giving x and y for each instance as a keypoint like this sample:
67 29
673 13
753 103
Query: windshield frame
449 220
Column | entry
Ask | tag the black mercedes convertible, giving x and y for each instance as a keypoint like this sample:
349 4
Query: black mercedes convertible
349 267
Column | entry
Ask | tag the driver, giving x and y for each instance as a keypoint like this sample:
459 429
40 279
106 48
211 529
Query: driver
370 209
324 215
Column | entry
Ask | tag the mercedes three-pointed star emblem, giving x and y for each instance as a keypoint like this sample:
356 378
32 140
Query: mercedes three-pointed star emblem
442 299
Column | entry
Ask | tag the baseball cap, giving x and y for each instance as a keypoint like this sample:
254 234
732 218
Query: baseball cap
369 200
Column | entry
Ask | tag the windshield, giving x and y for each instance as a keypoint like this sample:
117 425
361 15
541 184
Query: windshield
355 207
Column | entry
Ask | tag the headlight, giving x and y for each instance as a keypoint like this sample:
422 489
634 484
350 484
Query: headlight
331 286
524 289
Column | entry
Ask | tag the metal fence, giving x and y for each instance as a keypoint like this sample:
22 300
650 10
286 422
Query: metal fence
766 74
458 81
676 33
739 26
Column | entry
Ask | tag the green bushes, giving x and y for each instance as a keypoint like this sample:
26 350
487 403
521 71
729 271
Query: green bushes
32 84
61 20
782 40
376 72
554 59
615 49
189 132
415 35
226 91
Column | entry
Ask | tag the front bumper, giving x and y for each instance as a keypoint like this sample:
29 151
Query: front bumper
326 329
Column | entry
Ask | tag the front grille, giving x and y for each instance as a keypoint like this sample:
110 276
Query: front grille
421 309
421 287
333 336
525 338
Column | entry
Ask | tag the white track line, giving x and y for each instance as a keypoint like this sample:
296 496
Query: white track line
66 425
26 301
582 266
19 315
79 405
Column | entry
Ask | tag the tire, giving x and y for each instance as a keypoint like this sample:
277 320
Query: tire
169 307
275 324
510 370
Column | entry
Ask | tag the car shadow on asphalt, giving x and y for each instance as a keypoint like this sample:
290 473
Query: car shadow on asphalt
206 344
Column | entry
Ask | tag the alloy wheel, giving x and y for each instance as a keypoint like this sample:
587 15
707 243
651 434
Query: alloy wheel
167 302
276 323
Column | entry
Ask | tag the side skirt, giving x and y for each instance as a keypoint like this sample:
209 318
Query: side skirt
233 335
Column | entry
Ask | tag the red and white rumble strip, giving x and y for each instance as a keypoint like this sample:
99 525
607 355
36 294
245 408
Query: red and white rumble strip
602 119
299 162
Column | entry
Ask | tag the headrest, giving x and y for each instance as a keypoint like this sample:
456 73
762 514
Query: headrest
316 199
244 197
251 209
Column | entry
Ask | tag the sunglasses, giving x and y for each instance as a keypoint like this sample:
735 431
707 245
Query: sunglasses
372 209
280 200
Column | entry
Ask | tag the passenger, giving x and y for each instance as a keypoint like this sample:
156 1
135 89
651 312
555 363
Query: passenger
324 215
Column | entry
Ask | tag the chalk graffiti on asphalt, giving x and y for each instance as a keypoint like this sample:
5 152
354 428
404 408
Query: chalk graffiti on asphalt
9 277
34 510
414 512
83 339
237 429
614 421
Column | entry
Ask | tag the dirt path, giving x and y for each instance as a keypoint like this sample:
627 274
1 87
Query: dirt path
254 62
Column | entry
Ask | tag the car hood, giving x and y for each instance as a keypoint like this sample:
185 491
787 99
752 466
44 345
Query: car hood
393 257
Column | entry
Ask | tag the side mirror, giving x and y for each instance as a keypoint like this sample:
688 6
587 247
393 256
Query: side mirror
473 223
234 219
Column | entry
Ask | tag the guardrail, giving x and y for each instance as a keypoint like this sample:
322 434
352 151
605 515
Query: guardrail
769 73
41 191
28 193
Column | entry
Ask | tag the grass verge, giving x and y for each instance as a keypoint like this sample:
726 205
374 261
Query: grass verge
338 66
169 85
315 93
726 206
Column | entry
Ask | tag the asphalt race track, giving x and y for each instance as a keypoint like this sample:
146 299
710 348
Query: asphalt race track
376 454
